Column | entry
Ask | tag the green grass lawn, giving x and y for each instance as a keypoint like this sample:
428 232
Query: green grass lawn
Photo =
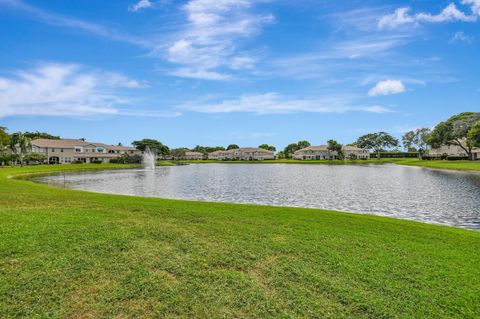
72 254
451 165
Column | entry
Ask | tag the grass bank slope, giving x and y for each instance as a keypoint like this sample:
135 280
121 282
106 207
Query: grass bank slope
72 254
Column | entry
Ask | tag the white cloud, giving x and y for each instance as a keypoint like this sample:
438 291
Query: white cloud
401 17
387 87
398 18
377 109
200 74
208 44
460 36
65 90
274 103
142 4
59 20
474 5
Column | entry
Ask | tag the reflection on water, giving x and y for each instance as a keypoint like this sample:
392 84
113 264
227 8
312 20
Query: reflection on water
440 197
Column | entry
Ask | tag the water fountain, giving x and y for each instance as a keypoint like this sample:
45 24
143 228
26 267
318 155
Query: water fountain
149 159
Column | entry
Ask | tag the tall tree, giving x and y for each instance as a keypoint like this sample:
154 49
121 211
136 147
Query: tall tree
408 140
20 145
4 136
154 145
290 149
232 147
208 149
268 147
417 140
377 142
455 131
421 140
474 135
303 144
179 153
36 135
334 146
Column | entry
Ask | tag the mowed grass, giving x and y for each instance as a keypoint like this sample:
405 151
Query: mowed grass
72 254
440 164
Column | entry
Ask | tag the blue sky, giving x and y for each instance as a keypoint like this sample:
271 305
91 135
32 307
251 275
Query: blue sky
215 72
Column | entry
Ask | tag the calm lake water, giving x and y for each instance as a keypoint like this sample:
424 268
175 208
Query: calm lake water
437 197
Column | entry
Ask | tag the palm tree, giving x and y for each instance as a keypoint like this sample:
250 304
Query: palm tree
20 145
2 154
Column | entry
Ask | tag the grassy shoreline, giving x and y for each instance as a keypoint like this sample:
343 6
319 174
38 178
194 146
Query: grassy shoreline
66 253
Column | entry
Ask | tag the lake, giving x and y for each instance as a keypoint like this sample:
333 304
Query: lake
413 193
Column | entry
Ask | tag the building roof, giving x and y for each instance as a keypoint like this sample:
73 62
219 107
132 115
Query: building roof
251 149
353 148
72 143
121 148
63 143
314 148
243 149
217 152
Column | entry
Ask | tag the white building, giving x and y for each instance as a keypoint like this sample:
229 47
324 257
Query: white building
193 156
67 151
353 152
243 154
315 153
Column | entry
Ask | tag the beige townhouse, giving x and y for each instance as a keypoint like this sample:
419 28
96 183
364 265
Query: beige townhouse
65 151
219 155
353 152
315 153
453 151
243 154
195 156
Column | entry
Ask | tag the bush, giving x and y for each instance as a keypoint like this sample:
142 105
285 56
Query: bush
352 156
396 154
36 158
127 159
457 158
97 162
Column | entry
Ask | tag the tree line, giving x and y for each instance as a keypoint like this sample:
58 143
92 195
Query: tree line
461 130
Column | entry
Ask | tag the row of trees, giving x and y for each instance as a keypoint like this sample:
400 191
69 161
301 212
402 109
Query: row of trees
15 148
162 150
462 130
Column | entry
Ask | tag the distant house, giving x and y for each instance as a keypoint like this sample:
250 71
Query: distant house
67 151
353 152
252 153
315 153
447 150
453 151
219 155
193 156
243 154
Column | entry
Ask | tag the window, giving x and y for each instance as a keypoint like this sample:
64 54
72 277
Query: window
53 150
61 150
78 150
